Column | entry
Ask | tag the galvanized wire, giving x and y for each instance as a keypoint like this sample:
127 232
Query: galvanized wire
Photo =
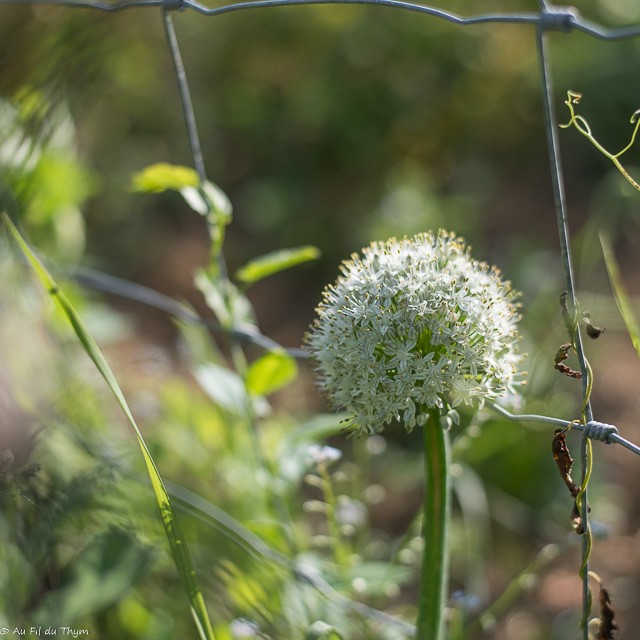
550 18
551 129
92 279
105 283
600 431
185 98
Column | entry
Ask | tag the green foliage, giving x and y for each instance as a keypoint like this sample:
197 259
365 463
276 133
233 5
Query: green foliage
583 127
271 372
162 176
41 176
169 520
274 262
100 576
621 295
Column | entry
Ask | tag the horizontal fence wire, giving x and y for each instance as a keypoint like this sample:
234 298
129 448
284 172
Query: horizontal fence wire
552 18
599 431
105 283
112 285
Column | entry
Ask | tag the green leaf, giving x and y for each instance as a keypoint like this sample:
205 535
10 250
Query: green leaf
271 372
163 176
232 308
205 198
620 294
274 262
173 530
224 386
209 200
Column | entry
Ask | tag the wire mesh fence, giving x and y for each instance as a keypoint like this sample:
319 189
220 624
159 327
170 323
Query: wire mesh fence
537 25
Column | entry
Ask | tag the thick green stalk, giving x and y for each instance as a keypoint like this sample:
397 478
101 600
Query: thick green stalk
435 562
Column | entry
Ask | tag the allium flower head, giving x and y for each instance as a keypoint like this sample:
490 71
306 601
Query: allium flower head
411 326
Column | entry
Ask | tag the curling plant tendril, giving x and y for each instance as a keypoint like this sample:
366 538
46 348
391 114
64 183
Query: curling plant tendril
581 124
409 330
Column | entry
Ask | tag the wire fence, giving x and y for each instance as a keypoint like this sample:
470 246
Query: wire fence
549 18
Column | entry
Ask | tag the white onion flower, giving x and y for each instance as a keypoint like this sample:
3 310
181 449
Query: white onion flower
412 326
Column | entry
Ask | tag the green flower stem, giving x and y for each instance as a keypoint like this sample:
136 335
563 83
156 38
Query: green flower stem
340 553
435 561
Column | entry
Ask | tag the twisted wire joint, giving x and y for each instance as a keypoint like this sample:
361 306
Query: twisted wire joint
600 431
559 19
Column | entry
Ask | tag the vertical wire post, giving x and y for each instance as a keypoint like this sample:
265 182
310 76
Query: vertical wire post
557 180
185 97
190 121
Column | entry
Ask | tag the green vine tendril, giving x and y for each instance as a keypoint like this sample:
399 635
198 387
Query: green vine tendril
571 321
583 127
587 554
584 567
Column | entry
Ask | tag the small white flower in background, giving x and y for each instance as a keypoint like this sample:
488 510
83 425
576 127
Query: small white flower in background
413 325
242 628
322 455
350 512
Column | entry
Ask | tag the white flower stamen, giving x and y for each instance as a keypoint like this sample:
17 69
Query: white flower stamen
414 324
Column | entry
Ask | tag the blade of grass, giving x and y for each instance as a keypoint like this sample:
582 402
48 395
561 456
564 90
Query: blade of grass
620 294
179 550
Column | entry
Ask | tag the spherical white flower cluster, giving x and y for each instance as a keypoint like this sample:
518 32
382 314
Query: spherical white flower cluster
411 326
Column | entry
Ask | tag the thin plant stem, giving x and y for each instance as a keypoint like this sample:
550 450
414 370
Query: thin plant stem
583 127
173 530
274 501
339 551
435 562
218 269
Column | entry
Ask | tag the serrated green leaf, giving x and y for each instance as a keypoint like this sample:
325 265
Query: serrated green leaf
620 294
274 262
271 372
173 530
163 176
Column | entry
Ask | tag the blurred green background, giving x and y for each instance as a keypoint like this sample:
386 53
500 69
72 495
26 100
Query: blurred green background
331 126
